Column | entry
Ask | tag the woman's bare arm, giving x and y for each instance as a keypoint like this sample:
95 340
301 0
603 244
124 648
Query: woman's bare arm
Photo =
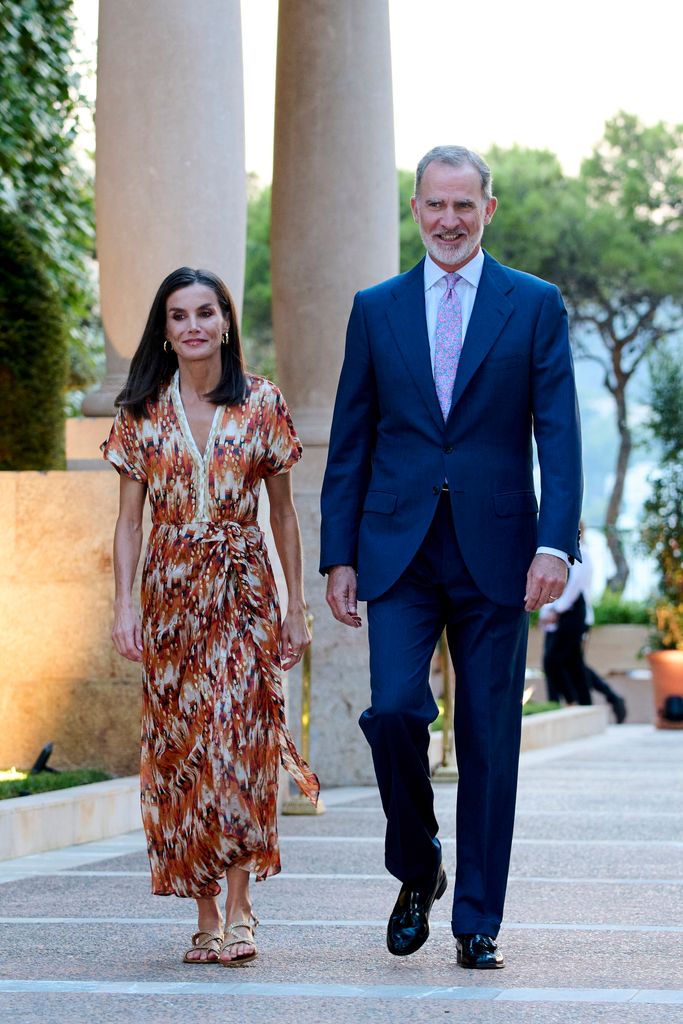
287 536
127 630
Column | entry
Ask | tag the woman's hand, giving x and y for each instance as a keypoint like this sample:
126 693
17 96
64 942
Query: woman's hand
127 633
296 637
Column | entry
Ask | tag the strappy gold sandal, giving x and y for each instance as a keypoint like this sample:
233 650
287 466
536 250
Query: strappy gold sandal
240 940
212 942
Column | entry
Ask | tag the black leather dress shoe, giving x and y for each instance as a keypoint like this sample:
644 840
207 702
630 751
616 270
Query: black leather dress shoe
478 951
408 927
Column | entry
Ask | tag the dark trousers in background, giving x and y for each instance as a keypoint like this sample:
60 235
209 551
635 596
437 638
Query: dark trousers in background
488 647
563 662
567 675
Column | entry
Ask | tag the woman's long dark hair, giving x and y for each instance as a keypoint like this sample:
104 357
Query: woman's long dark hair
151 367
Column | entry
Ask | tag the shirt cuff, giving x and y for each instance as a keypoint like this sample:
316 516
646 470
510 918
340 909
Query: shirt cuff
554 551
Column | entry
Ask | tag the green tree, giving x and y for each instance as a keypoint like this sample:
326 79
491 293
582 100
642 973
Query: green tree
538 226
611 238
33 355
613 241
411 247
41 176
663 511
257 314
629 295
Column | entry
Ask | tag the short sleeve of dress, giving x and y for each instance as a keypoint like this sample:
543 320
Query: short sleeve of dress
281 446
123 447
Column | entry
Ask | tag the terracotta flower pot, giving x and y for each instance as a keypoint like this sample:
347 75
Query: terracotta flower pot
667 681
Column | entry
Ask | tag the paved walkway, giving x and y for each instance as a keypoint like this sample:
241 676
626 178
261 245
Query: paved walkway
593 934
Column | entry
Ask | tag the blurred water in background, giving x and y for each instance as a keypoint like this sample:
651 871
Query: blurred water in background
641 583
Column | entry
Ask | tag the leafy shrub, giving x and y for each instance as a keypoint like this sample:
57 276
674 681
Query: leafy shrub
46 782
668 623
43 178
33 356
662 523
611 609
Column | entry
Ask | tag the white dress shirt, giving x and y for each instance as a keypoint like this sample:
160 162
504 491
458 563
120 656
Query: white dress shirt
466 290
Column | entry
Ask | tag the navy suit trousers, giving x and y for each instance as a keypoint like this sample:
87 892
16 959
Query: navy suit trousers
488 646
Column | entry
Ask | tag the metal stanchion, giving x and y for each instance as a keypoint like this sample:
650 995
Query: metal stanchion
300 804
447 770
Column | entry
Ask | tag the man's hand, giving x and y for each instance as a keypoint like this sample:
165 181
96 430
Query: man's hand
341 595
545 581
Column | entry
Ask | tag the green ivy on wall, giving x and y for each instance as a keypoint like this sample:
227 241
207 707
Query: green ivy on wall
42 179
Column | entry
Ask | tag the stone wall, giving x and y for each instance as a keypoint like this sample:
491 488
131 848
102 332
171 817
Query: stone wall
61 679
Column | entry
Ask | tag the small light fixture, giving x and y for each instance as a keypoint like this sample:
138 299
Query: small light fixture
41 764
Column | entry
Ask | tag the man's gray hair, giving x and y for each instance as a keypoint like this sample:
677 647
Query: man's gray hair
456 156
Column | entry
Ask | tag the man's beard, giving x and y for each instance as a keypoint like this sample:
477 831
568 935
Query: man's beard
449 254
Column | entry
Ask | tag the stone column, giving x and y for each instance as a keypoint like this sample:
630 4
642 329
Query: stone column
334 231
171 183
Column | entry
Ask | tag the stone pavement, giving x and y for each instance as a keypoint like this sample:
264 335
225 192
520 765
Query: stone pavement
593 932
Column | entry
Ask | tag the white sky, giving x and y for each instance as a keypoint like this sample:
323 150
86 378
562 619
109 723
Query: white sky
535 72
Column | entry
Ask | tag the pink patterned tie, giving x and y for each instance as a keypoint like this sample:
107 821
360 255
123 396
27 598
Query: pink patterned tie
447 343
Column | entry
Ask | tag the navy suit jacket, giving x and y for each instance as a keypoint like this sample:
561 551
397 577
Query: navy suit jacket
390 450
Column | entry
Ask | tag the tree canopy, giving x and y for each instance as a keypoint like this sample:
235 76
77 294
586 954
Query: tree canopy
42 180
257 314
663 511
33 355
612 239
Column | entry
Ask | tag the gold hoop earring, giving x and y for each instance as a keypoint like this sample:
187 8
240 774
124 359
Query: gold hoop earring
170 346
225 337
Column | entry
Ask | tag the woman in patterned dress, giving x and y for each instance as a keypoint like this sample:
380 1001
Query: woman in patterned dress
196 434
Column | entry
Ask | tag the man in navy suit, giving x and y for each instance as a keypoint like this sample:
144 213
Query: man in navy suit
429 514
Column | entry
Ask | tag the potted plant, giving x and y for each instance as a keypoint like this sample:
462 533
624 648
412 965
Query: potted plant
662 536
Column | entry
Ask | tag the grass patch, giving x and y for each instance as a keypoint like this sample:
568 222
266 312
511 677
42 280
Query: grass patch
45 782
532 707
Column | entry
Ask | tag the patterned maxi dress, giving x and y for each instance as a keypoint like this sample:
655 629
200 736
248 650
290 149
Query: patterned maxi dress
213 725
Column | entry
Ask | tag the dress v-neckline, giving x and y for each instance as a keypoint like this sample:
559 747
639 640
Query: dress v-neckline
185 424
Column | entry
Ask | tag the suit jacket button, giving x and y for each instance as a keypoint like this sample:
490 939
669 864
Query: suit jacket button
436 490
448 448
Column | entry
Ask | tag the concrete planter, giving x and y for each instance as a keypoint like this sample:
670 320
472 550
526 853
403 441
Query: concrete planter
610 650
548 728
545 729
50 821
615 649
82 814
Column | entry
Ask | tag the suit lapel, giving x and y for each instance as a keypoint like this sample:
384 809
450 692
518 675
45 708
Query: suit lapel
407 319
491 311
408 323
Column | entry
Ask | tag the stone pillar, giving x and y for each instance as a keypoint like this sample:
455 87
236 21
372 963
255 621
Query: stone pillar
334 231
171 183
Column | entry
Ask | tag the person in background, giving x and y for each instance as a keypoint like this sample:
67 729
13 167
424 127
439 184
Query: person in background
566 622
